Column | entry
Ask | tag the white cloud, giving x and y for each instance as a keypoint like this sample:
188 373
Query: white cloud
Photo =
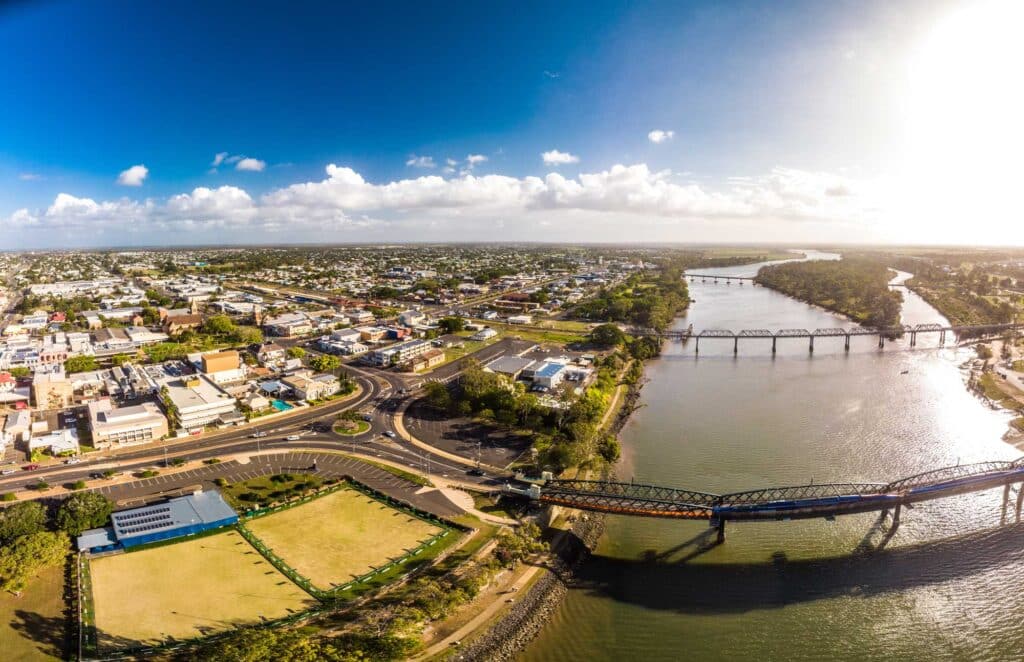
218 159
596 205
133 176
421 162
250 165
29 176
659 136
556 158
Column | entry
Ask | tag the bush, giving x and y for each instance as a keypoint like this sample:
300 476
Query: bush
41 486
8 496
148 473
221 482
212 460
77 485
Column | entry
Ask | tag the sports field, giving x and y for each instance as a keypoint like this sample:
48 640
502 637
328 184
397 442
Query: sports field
32 625
340 536
188 589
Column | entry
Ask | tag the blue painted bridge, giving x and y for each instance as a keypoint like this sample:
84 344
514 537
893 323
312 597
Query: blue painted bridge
781 503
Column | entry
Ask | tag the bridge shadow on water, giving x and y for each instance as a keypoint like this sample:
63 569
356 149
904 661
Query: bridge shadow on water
658 580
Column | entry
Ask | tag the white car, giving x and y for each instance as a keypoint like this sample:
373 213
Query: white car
389 433
292 437
72 460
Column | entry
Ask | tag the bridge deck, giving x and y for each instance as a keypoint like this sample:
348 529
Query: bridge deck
797 502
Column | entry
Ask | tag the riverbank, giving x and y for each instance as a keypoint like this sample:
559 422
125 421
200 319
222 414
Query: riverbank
993 378
516 628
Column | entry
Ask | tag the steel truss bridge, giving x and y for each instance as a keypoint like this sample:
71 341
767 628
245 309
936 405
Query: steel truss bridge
781 503
958 332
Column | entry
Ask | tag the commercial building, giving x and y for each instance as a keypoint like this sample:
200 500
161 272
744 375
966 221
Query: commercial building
222 367
427 360
52 390
198 402
124 426
399 352
288 325
175 518
510 366
308 387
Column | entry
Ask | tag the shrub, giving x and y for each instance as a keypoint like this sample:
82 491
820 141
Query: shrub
77 485
212 460
8 496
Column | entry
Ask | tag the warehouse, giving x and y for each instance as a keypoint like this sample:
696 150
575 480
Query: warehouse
181 516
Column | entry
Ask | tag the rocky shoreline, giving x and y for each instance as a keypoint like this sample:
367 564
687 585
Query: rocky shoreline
512 633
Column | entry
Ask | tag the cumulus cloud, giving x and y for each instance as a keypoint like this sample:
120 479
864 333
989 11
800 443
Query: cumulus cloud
556 158
474 159
623 194
421 162
250 165
133 176
659 136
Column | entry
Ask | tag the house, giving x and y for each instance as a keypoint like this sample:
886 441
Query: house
490 315
57 442
359 316
18 426
125 426
372 333
176 324
520 319
255 402
270 353
312 388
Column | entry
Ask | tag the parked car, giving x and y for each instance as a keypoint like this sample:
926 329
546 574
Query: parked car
8 472
30 467
475 471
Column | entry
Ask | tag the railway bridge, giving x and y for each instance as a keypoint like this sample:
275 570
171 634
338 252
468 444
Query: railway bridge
781 503
958 332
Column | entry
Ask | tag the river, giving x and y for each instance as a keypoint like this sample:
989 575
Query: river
947 585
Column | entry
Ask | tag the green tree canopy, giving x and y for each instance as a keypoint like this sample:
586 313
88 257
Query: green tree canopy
325 363
296 352
607 335
84 510
21 519
80 364
27 555
452 324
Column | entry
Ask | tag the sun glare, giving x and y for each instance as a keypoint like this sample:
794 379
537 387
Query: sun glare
964 107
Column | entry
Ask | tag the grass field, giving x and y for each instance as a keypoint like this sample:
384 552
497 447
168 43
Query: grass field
340 536
32 626
188 589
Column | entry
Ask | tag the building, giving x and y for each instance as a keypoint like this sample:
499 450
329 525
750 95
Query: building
57 442
197 402
223 367
427 360
288 325
270 353
175 518
411 317
306 387
510 366
175 324
399 352
520 319
484 334
549 375
125 426
52 390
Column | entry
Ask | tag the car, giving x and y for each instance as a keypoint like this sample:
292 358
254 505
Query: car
257 435
8 472
389 434
367 417
72 460
292 437
475 471
30 467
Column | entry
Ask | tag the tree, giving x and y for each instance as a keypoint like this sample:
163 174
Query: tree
84 510
452 324
121 359
21 519
80 364
438 395
248 335
27 555
296 352
219 325
607 335
325 363
20 371
515 545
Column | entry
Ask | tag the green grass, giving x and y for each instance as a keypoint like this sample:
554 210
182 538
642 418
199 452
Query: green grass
1018 366
486 503
32 625
364 534
553 336
218 582
275 487
994 391
360 427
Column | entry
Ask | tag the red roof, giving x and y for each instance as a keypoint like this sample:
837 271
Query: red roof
7 378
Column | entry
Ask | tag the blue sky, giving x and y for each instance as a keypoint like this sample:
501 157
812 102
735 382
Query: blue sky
769 104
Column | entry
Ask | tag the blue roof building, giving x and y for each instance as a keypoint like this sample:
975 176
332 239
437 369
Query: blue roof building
181 516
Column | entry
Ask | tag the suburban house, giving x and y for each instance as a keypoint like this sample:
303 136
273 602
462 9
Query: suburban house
308 387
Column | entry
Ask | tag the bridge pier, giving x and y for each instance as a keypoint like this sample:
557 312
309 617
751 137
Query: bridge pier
847 345
1006 504
773 344
696 344
735 345
721 532
1020 500
896 517
810 348
913 338
942 338
881 341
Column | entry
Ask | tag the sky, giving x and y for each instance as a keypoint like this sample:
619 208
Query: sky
142 124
